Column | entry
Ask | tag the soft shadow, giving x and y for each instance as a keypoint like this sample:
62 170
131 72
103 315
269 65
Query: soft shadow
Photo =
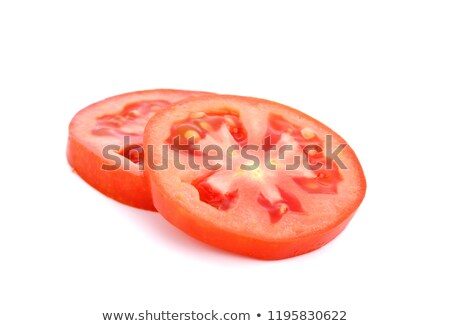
167 235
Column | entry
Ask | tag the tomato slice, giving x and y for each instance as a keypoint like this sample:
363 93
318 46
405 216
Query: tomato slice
105 143
224 170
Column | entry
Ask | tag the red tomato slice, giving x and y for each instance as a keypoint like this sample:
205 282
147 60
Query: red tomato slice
105 124
234 203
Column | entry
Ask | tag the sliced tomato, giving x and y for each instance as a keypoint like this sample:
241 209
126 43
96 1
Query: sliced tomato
105 143
273 209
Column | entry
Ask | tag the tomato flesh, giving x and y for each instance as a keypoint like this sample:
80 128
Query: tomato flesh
221 187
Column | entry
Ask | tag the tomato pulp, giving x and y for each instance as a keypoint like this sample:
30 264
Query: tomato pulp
251 176
105 143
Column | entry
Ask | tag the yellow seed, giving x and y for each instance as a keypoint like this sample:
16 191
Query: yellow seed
133 114
230 121
309 174
297 229
283 208
197 115
312 186
191 134
205 125
308 133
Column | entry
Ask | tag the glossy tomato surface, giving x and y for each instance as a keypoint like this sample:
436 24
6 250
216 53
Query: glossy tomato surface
251 176
105 143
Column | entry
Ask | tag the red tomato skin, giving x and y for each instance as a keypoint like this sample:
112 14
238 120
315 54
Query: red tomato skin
127 187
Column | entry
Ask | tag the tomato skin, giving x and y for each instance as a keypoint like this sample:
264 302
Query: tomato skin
179 204
128 187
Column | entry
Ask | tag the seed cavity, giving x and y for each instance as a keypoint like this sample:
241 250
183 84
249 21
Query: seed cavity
220 196
324 181
130 121
218 126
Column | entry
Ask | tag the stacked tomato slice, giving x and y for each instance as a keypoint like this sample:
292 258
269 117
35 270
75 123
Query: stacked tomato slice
247 175
106 143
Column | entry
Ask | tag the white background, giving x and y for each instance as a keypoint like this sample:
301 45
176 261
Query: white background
377 72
